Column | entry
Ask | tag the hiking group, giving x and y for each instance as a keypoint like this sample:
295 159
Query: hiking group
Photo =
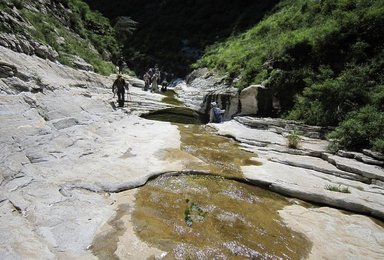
152 79
151 82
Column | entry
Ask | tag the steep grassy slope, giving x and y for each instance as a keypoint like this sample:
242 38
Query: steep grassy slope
68 26
324 60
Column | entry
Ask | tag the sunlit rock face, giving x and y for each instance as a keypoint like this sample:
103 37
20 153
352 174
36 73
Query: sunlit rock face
202 87
64 149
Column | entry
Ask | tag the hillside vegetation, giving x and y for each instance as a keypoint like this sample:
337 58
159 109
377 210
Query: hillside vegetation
69 27
173 33
324 60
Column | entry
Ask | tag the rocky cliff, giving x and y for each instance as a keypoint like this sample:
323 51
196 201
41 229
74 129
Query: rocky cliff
64 31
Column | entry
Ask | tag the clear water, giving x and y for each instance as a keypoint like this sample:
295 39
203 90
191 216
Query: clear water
212 217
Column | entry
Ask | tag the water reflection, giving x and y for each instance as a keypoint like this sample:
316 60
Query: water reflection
181 115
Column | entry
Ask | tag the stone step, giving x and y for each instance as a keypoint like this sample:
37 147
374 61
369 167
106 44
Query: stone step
361 157
367 170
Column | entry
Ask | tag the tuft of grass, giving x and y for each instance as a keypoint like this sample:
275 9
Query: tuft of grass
293 140
339 188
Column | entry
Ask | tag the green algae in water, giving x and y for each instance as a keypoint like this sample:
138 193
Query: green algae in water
222 154
229 220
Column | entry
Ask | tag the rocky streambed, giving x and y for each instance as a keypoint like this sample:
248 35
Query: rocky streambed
73 169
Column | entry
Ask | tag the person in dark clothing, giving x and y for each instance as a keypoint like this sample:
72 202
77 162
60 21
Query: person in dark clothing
121 64
119 85
147 81
215 114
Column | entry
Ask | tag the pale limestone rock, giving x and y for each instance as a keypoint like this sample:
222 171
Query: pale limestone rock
248 100
7 70
375 155
226 98
17 239
366 170
301 177
336 235
81 63
60 146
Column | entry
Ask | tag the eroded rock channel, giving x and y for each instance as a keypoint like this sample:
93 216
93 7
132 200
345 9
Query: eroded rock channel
209 213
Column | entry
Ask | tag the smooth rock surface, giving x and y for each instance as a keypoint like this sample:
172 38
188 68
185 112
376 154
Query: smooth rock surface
336 235
63 149
291 172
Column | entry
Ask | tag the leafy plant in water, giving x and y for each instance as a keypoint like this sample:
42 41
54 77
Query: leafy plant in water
187 217
193 213
337 188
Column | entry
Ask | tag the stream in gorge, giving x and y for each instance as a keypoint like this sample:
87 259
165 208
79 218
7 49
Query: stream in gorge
211 213
215 215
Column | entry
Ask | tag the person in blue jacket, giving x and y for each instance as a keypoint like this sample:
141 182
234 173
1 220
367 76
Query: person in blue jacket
215 114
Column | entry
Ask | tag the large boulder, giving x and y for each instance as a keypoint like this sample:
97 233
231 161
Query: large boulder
45 51
197 86
248 100
256 100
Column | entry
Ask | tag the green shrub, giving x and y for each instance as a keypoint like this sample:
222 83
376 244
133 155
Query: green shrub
361 129
328 101
378 145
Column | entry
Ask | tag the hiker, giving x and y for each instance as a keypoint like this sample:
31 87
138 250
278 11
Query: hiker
121 64
215 114
119 85
164 85
147 80
154 84
158 73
